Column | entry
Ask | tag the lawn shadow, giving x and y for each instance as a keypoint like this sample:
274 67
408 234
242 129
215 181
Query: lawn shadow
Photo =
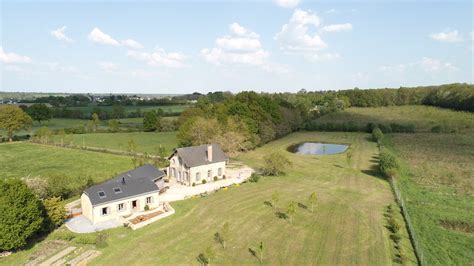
202 259
302 206
268 203
281 215
253 253
339 166
375 172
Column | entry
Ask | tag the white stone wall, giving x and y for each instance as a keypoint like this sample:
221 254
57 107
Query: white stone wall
203 170
86 207
114 213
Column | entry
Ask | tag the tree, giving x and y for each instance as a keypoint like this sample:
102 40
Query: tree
223 235
377 135
21 214
349 157
149 121
43 135
38 185
261 248
62 136
118 111
55 211
275 199
12 119
291 210
94 123
312 200
113 125
39 112
209 254
275 164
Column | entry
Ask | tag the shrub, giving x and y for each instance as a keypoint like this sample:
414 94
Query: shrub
204 181
63 235
194 184
147 208
275 164
86 239
223 177
55 211
436 129
377 135
396 237
385 128
388 163
215 178
254 178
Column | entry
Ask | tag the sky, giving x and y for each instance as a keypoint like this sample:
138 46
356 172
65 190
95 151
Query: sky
168 47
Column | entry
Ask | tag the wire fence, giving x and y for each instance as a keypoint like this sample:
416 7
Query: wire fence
411 231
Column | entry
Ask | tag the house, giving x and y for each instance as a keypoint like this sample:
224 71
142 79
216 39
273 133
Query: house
193 165
123 195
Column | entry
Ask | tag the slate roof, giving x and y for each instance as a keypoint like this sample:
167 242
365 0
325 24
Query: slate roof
137 181
197 155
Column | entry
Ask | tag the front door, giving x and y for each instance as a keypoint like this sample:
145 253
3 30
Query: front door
135 205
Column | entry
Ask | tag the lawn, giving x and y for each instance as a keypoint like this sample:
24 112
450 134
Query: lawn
438 184
347 227
22 159
423 117
145 141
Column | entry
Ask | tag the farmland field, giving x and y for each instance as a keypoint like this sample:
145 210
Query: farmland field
145 141
347 227
130 109
438 183
27 159
423 117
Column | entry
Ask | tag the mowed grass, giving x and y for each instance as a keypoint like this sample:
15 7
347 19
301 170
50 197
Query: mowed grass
145 141
438 184
346 228
423 117
23 159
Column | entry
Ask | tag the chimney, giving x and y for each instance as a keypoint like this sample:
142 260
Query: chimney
123 180
209 152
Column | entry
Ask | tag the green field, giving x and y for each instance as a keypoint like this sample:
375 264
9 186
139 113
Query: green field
130 109
438 183
22 159
423 117
347 227
145 141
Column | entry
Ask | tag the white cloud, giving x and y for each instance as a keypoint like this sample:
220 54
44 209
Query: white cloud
96 35
238 30
448 36
323 56
337 27
108 66
13 68
220 56
58 67
426 64
332 11
287 3
60 35
12 58
132 44
295 35
160 58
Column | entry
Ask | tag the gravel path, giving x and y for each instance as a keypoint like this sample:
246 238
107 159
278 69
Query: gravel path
58 256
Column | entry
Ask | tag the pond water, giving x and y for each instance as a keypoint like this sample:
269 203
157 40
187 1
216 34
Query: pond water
317 148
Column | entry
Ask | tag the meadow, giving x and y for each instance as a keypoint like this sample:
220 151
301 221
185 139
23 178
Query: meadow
423 117
145 141
437 181
130 109
21 159
347 226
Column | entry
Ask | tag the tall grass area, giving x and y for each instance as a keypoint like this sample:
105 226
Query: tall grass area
145 141
436 178
424 118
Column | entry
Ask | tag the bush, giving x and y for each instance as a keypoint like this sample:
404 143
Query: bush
194 184
204 181
436 129
254 178
63 235
55 212
388 163
147 208
396 237
216 178
86 239
377 135
223 177
275 164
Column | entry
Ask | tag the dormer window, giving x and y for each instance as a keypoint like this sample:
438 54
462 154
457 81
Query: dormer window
117 190
101 194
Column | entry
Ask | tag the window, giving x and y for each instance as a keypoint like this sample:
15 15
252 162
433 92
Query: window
105 211
198 176
209 174
149 200
173 172
121 207
102 194
219 171
117 190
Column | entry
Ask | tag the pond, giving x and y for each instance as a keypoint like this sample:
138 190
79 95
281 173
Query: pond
313 148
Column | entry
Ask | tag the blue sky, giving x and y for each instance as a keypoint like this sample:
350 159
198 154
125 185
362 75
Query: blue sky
187 46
